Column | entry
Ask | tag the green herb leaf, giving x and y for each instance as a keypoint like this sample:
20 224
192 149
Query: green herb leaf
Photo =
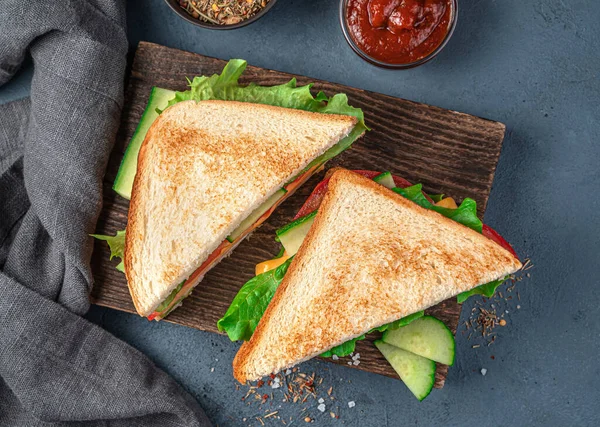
250 303
116 244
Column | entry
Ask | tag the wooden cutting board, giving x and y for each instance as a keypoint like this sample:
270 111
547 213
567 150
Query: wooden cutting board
449 152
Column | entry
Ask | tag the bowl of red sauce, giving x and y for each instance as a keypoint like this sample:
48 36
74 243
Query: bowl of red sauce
398 34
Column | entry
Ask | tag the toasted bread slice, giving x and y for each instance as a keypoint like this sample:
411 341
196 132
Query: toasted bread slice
202 169
371 257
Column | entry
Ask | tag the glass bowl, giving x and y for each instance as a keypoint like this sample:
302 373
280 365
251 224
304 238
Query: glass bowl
377 62
174 5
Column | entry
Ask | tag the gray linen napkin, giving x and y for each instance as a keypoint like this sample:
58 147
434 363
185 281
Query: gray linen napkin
55 367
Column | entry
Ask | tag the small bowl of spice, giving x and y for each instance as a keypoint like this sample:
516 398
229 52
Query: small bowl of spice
398 34
221 14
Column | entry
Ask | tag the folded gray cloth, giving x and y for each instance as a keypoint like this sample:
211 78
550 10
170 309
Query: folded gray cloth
56 368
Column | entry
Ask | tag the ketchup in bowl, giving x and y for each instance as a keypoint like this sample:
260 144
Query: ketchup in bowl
399 32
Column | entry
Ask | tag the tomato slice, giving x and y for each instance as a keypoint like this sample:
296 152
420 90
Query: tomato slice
492 234
206 265
316 197
314 200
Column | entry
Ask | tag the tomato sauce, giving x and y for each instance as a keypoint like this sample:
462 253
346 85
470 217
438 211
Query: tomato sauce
399 31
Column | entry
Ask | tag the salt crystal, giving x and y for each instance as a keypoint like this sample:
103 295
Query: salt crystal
288 371
351 404
212 369
350 363
275 385
356 362
321 400
334 357
518 307
483 371
321 407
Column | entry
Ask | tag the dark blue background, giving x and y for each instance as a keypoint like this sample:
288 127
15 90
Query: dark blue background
530 64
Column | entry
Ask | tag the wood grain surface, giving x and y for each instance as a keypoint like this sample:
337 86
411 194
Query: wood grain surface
449 152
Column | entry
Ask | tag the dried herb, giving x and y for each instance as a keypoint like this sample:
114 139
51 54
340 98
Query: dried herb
222 12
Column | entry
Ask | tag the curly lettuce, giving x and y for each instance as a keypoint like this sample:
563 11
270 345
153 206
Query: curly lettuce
226 87
116 244
250 303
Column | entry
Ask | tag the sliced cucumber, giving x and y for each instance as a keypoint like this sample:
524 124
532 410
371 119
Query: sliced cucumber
292 235
427 337
418 373
254 216
386 179
124 180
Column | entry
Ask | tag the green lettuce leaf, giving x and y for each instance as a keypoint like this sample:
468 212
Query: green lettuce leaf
487 290
249 305
225 87
400 322
465 214
116 244
343 349
436 197
348 347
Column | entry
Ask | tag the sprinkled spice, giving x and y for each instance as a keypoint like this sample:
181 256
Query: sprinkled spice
295 388
222 12
489 313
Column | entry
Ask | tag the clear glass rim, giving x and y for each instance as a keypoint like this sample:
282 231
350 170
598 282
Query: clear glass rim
370 59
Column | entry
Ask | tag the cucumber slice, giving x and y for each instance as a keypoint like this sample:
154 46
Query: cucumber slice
386 179
292 235
124 180
427 337
255 215
418 373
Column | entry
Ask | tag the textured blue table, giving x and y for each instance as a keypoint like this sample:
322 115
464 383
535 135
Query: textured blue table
530 64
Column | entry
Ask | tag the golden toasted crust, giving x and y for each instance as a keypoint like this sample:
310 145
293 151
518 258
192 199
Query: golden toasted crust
371 257
202 168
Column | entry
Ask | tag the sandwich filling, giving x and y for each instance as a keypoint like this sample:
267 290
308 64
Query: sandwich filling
185 287
241 319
